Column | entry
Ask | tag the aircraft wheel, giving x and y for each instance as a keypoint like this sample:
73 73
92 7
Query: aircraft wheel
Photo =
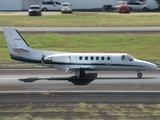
82 73
139 74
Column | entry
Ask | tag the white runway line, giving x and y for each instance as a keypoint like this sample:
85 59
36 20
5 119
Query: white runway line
83 91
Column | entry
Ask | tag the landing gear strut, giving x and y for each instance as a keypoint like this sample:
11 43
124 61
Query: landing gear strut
79 73
139 74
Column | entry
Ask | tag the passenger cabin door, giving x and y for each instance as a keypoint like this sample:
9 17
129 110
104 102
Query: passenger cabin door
108 59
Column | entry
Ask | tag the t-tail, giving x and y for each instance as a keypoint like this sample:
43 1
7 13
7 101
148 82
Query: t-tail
20 50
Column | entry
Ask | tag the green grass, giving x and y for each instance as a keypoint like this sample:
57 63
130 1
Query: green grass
141 46
79 111
80 19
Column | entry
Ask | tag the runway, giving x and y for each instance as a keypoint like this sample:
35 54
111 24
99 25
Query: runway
110 86
106 81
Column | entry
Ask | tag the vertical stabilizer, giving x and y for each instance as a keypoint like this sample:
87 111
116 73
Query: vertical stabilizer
20 50
15 41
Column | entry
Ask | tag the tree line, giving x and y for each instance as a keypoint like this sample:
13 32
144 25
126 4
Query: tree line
158 1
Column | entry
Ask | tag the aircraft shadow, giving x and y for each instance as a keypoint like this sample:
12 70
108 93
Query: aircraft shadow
122 78
89 77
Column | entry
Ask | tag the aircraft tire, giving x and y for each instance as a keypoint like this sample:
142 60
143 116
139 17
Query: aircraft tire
82 73
139 74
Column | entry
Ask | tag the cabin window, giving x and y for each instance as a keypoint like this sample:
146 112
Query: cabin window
108 58
102 58
80 58
97 58
86 58
92 57
123 57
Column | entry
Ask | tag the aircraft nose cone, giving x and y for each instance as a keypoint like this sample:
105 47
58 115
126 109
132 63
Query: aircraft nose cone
150 65
153 66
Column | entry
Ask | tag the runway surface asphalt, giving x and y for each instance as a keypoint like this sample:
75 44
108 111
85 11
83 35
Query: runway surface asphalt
107 80
111 86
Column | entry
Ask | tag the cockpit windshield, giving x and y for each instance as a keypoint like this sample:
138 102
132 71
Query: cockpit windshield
127 58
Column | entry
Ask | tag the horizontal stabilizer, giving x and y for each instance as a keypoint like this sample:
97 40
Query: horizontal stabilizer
18 49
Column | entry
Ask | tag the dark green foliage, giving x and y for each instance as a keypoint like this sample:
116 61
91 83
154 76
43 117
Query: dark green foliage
158 1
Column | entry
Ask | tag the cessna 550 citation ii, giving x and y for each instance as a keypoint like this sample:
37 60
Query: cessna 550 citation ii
76 62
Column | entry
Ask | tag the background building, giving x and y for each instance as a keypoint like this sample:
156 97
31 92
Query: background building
17 4
76 4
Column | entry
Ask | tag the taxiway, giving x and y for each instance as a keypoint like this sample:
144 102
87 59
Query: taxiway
144 29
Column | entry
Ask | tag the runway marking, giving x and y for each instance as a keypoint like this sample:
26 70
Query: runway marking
27 69
88 91
41 69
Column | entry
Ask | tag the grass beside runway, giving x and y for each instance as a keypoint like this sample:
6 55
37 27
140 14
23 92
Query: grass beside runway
141 46
79 111
80 19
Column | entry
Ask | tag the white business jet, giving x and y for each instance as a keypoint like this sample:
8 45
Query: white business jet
76 62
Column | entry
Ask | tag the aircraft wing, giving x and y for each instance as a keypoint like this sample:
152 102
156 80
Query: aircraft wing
78 68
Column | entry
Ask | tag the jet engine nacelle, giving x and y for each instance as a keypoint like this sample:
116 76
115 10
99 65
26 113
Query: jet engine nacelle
56 59
61 59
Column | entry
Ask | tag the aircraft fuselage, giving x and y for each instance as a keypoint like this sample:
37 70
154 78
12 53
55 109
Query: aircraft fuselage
98 61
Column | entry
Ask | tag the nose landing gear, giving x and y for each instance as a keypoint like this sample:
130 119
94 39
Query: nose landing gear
139 75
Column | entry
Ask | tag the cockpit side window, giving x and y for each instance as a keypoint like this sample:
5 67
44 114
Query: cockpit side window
130 58
127 58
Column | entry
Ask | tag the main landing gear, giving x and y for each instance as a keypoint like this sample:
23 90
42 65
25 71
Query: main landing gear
82 78
139 75
79 73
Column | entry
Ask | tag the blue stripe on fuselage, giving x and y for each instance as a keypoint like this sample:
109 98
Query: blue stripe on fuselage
39 61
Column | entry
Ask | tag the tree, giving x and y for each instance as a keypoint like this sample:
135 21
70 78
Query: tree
158 1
